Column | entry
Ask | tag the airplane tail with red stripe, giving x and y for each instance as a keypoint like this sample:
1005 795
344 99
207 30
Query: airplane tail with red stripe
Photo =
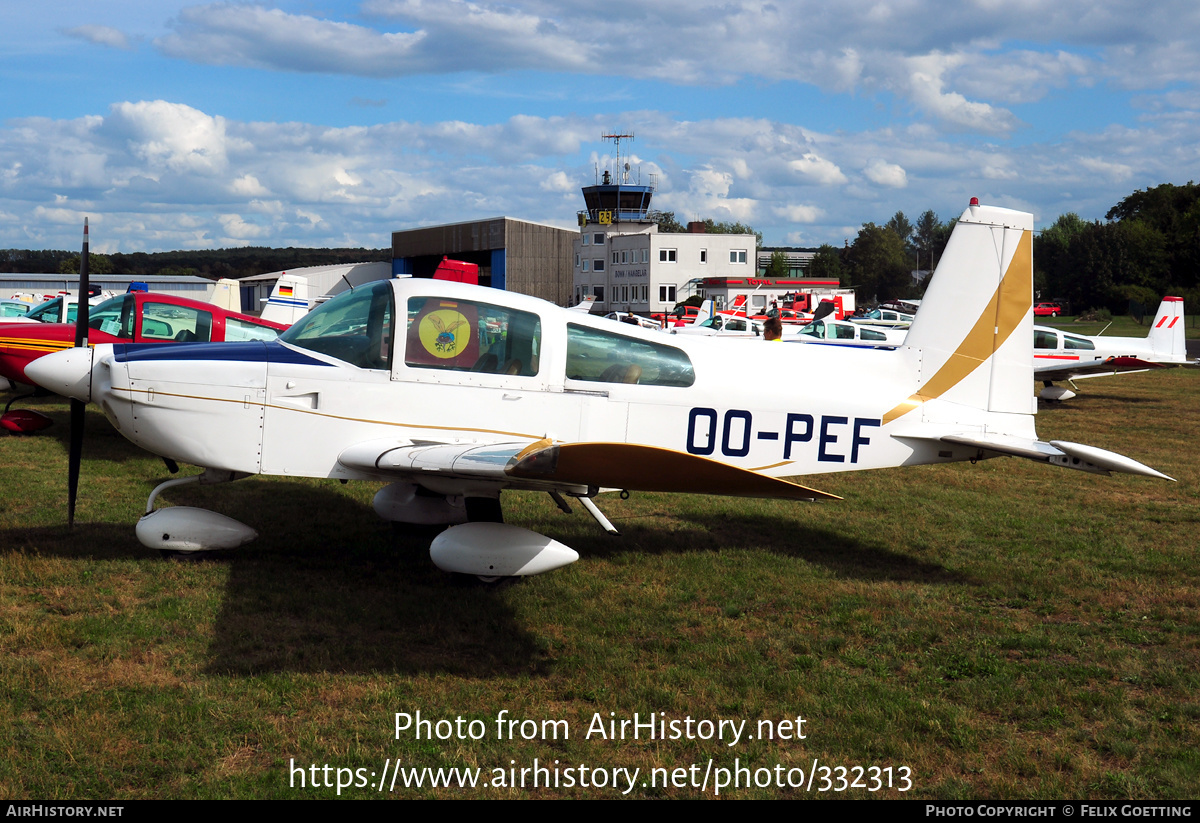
1166 333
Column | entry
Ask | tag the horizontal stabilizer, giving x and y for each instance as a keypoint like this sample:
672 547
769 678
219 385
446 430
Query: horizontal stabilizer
1105 459
651 469
1105 367
1056 452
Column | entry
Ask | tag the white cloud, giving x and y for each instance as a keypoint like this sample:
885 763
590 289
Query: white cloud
925 86
558 181
165 175
1117 172
953 65
171 136
100 35
247 185
883 173
814 169
238 231
800 214
450 36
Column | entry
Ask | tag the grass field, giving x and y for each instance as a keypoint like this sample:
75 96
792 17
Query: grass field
1002 630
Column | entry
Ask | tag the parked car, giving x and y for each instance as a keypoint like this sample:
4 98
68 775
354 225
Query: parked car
1047 310
144 317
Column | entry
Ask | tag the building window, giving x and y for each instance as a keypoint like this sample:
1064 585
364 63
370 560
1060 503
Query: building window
737 255
666 255
624 257
598 293
598 265
703 255
577 261
615 258
584 241
586 264
645 255
598 239
666 294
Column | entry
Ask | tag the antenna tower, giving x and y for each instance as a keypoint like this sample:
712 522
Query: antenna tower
622 172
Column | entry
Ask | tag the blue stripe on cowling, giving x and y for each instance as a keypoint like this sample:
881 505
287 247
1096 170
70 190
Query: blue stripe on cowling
252 351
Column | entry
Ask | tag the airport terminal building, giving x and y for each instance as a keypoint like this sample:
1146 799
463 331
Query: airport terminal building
623 260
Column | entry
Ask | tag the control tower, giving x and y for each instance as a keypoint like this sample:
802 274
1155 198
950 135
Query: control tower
616 196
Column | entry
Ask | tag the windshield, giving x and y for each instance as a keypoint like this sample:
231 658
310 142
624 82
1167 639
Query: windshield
356 326
51 312
114 316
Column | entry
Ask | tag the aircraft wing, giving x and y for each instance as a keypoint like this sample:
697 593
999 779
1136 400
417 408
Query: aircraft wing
1057 452
571 465
1095 368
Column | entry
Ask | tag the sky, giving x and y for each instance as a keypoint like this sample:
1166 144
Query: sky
178 125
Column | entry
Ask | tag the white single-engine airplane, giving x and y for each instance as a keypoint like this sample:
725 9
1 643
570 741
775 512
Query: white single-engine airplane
455 393
1061 355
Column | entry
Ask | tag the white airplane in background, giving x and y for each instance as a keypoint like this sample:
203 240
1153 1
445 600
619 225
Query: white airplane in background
845 333
456 393
1060 355
289 300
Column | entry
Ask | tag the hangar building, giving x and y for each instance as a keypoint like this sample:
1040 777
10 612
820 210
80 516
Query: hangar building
530 258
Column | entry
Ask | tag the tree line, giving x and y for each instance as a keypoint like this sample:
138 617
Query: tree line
1148 246
212 264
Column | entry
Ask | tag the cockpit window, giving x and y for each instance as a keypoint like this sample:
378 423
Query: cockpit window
604 357
1070 342
114 316
465 335
1044 339
356 326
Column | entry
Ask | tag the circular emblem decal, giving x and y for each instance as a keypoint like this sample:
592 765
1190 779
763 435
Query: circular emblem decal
445 333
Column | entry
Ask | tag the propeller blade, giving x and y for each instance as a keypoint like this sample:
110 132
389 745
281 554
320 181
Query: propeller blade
78 407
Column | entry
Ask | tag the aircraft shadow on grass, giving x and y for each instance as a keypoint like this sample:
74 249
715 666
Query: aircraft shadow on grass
783 534
334 588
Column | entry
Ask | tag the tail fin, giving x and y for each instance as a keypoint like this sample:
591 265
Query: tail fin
975 326
584 305
227 295
1166 334
706 312
288 301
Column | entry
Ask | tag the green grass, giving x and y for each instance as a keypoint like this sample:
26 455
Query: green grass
1005 630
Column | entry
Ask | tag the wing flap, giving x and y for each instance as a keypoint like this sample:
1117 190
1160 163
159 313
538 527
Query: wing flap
651 469
573 465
